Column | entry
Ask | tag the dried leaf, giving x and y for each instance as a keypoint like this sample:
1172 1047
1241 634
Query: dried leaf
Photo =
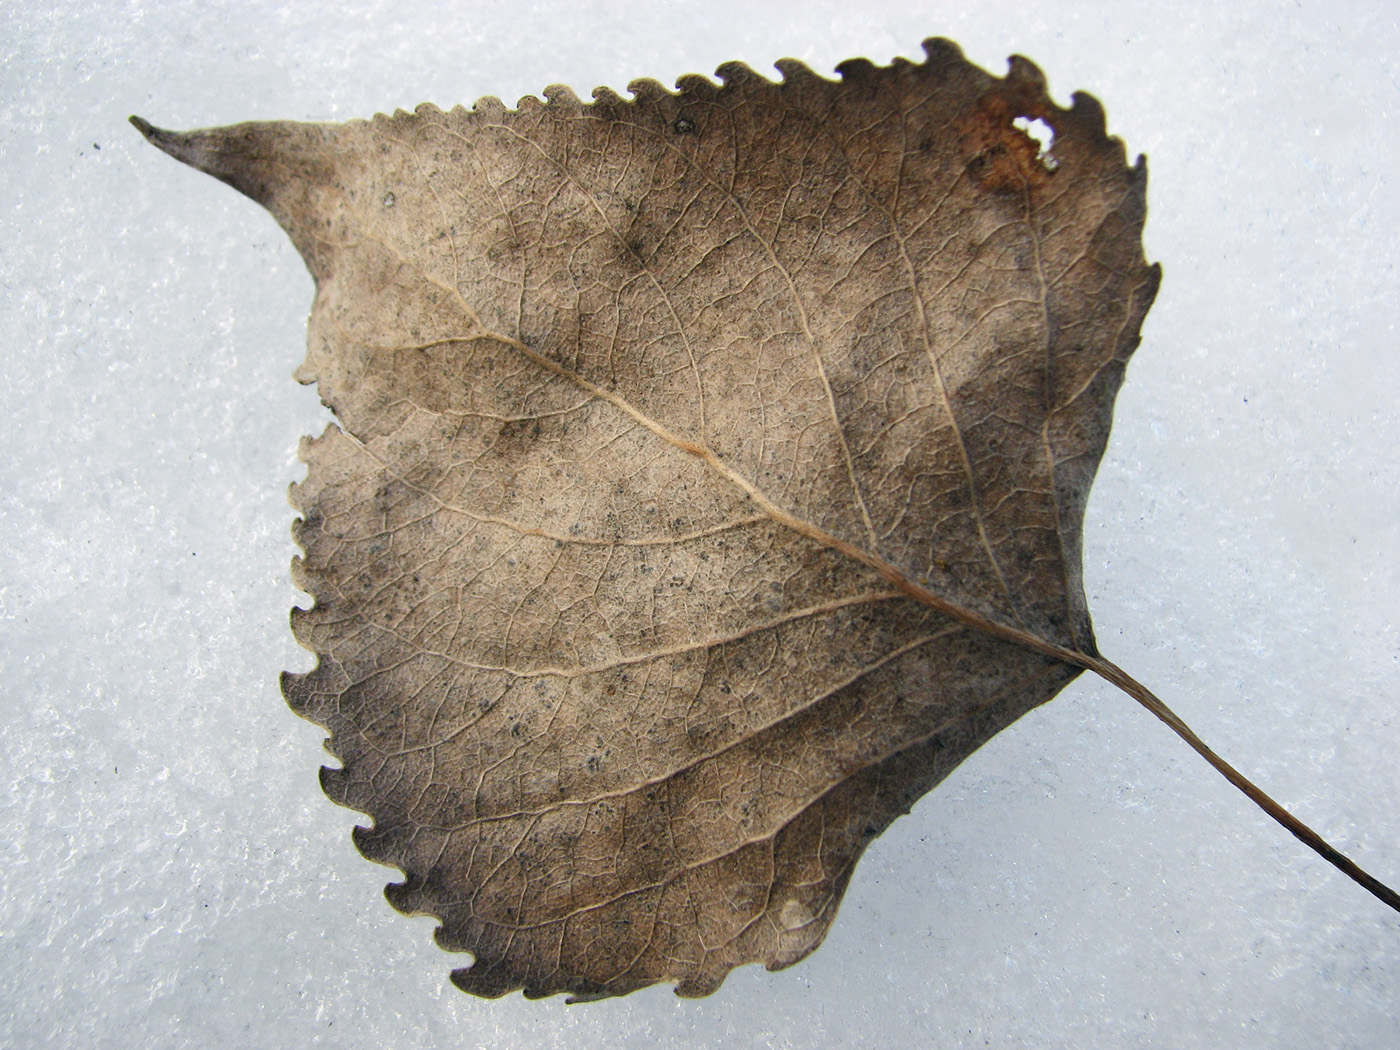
709 484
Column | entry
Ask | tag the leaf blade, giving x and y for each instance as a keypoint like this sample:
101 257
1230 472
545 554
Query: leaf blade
697 367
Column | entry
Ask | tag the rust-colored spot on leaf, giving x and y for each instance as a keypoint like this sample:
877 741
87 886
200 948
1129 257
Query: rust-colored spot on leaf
1002 158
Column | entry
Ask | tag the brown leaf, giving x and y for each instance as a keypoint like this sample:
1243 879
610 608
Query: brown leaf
710 484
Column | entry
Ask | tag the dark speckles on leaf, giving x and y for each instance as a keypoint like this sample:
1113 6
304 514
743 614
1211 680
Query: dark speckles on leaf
683 126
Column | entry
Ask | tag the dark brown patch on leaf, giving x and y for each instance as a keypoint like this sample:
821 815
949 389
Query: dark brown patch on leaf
1001 157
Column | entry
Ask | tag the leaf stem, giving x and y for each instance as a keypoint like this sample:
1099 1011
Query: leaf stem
1114 674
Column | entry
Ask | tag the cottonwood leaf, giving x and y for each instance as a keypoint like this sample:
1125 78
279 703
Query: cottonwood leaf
709 483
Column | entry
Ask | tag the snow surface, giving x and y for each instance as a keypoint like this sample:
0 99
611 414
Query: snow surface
170 873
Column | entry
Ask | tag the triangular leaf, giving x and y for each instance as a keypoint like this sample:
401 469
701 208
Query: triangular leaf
709 483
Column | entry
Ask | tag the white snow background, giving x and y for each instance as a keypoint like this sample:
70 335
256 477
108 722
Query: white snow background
172 875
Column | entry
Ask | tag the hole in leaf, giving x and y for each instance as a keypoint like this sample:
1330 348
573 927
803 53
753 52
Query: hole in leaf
1043 135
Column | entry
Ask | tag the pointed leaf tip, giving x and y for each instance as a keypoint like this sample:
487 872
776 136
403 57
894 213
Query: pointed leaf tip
163 140
171 142
275 163
188 147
